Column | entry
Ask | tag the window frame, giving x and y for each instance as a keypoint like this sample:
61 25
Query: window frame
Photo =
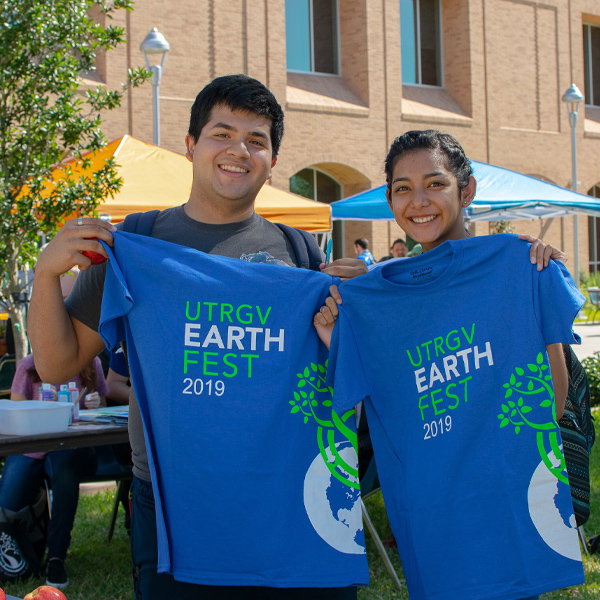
314 182
440 53
338 61
590 75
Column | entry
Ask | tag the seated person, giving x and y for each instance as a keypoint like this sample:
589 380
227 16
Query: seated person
399 249
23 474
117 379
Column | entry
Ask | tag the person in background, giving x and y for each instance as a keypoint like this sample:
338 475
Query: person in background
118 379
399 249
23 475
361 248
9 337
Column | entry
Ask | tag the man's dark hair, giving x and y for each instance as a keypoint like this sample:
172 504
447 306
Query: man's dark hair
398 241
237 92
362 242
430 139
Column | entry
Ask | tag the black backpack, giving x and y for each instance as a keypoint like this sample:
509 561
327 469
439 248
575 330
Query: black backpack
23 539
578 435
308 253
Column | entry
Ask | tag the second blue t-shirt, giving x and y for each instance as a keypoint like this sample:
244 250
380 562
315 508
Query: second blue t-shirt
448 349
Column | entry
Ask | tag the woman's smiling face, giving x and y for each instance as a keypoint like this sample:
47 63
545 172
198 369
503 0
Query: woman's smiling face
426 200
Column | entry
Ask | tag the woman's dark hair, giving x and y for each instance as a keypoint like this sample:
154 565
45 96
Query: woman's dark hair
430 139
237 92
87 375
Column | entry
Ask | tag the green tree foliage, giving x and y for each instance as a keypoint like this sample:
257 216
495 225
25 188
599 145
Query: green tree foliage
47 115
501 227
591 364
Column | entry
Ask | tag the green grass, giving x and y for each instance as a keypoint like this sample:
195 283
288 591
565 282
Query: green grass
102 571
97 570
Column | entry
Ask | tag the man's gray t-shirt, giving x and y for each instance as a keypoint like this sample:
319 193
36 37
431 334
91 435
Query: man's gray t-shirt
255 238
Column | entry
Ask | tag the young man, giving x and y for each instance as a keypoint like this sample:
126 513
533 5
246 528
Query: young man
361 248
233 140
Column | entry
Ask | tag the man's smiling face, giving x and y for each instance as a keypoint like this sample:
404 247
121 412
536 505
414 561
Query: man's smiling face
232 158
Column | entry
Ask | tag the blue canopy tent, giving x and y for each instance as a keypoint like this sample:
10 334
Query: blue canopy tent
502 195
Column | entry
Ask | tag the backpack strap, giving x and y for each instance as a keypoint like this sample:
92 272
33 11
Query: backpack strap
140 223
308 253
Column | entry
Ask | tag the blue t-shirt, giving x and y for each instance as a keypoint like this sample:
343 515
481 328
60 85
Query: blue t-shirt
254 476
448 351
367 257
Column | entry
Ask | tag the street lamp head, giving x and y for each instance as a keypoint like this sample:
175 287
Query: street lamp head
572 97
155 43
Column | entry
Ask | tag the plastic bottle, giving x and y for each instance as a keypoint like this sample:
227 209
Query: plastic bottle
74 400
46 392
64 395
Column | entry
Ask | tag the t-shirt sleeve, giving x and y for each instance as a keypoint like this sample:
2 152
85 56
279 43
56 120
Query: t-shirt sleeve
345 372
557 302
116 301
85 299
101 386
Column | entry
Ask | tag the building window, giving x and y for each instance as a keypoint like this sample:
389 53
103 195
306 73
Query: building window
315 185
311 36
591 63
421 42
594 235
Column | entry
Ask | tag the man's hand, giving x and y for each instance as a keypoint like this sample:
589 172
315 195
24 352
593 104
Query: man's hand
541 253
65 249
345 268
324 320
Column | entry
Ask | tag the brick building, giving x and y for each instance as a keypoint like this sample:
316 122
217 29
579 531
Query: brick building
353 74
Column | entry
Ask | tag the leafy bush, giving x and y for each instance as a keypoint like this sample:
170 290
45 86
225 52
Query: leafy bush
589 279
591 364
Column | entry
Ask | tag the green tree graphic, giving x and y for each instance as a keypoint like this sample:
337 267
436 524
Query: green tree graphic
313 399
535 384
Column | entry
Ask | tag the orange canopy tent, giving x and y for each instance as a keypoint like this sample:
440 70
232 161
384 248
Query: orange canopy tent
154 177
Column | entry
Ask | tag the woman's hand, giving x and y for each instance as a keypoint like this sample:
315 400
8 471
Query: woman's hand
92 401
324 320
541 253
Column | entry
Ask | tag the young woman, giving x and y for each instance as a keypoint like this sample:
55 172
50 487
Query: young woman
462 320
23 475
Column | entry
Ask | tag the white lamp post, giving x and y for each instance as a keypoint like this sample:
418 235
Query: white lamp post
572 98
155 43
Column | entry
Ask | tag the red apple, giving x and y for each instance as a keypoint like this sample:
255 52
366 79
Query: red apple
45 592
2 595
95 257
